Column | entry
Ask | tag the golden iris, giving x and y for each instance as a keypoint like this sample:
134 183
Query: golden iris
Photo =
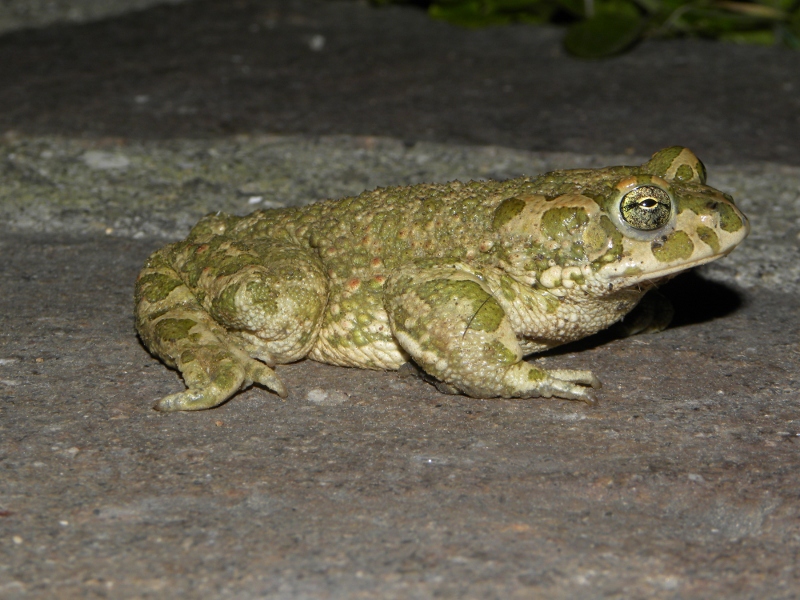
646 208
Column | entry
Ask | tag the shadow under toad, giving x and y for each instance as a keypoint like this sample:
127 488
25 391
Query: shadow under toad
695 300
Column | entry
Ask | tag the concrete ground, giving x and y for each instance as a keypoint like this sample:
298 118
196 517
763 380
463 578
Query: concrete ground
120 133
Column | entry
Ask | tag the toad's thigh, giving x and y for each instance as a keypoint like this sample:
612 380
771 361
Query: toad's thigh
275 302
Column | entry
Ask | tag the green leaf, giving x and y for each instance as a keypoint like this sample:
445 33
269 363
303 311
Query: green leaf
603 35
605 27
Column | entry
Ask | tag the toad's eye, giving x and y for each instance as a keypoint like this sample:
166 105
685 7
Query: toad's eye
646 208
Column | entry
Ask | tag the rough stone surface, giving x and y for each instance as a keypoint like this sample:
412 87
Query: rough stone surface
23 14
680 484
210 68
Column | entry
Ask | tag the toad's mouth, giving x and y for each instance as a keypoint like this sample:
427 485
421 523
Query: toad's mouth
661 275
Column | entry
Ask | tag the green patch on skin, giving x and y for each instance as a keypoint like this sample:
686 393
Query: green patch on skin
224 376
546 301
574 254
577 278
486 312
488 317
614 234
339 342
563 222
359 337
223 306
187 356
263 296
293 270
535 374
172 330
362 337
684 173
537 258
507 289
358 259
157 286
158 261
506 211
595 238
632 271
228 265
615 251
375 285
662 161
709 237
497 352
677 246
728 219
197 260
351 304
701 172
192 270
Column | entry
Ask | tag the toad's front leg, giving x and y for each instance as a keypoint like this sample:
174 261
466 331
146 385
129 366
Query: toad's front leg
456 330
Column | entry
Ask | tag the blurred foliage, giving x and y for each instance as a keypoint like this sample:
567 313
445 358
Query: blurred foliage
600 28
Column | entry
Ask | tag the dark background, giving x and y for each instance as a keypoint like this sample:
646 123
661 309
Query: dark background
211 68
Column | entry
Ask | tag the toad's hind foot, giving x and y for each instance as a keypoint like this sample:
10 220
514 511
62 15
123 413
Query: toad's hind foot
578 376
524 380
210 387
573 384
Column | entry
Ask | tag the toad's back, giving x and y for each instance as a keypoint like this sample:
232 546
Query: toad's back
394 225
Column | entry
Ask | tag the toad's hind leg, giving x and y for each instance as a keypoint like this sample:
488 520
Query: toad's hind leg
271 294
176 328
